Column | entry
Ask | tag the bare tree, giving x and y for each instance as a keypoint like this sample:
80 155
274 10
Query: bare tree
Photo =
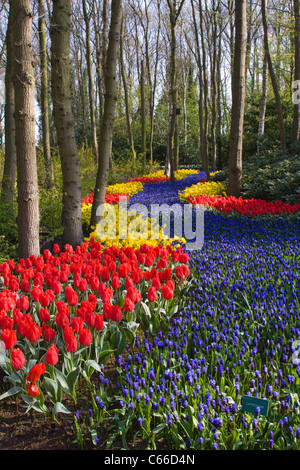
106 130
24 84
44 95
87 16
238 100
174 12
296 117
126 98
64 124
10 162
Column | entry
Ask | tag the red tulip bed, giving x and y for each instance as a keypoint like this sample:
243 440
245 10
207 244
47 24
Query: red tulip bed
245 207
64 314
110 198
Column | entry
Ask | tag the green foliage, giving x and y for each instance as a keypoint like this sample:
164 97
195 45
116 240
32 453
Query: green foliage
88 170
272 135
50 200
8 233
272 176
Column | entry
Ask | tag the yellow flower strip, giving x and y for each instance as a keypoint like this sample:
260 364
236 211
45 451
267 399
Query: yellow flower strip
209 188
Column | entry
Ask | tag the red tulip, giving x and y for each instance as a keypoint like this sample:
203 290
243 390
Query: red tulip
116 313
167 293
48 333
44 315
9 338
85 337
99 325
33 390
17 358
35 373
151 296
24 303
128 305
33 332
52 355
107 310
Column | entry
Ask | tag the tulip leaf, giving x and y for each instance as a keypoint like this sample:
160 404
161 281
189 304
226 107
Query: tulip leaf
10 392
60 408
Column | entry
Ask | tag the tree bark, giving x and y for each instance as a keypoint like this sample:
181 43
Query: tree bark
24 84
263 104
44 96
143 115
296 117
10 162
127 107
64 124
172 138
106 130
202 108
91 82
238 100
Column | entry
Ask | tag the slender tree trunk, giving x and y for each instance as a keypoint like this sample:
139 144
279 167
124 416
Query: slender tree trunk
214 84
44 96
202 101
205 113
263 104
173 93
91 82
64 124
273 78
238 100
184 84
127 106
24 83
143 114
10 162
296 117
106 131
219 104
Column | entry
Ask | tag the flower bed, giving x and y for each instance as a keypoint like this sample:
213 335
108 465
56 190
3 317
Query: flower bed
191 333
62 315
246 207
207 188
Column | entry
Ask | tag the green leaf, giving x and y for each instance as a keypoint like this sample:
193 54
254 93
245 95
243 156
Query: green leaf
52 388
11 392
104 355
158 428
63 381
94 365
60 408
73 377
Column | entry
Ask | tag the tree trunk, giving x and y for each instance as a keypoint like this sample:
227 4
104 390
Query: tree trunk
24 83
143 115
10 162
263 104
44 96
202 101
90 79
238 100
127 110
106 131
296 118
64 124
273 78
